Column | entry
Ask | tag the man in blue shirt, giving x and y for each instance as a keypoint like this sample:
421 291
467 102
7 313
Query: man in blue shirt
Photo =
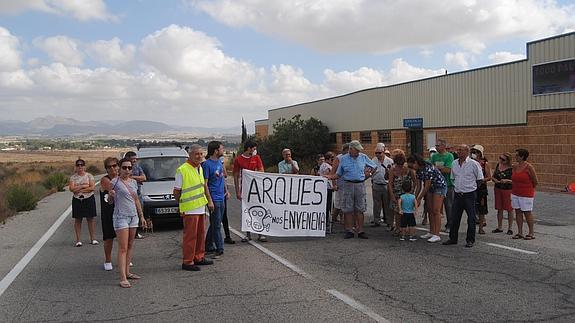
354 168
214 174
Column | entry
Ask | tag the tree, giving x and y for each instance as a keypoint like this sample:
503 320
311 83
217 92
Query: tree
244 132
305 138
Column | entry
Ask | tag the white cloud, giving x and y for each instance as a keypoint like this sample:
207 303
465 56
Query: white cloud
188 55
458 59
401 71
504 57
16 80
345 81
10 59
112 53
83 10
61 49
372 25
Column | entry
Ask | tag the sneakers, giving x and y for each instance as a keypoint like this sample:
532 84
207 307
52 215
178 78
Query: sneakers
78 244
139 236
434 238
362 235
108 266
449 242
204 262
94 242
348 235
412 238
402 238
229 240
427 235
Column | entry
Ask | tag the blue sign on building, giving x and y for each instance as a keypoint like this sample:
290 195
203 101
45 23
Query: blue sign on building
413 123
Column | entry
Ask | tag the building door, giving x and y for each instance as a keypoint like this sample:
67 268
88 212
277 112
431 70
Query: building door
416 141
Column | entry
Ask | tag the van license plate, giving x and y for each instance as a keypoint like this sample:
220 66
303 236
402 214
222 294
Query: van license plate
167 210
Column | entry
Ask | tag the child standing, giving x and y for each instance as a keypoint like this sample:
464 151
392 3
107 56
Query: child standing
407 206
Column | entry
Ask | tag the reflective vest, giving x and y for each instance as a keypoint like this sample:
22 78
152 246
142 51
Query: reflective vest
192 195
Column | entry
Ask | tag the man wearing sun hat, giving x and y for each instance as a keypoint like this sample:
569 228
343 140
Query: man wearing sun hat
379 187
354 168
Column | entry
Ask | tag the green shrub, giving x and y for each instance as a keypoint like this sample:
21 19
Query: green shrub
20 198
56 181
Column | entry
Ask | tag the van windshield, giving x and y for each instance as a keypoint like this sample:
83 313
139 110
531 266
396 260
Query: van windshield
161 168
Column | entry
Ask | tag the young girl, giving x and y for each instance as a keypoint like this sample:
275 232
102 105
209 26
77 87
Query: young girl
407 207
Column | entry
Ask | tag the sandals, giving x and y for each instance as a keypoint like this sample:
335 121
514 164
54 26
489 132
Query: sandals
529 237
497 231
133 276
510 232
517 236
125 284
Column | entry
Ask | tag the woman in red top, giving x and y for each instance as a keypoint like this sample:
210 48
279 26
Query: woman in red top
524 181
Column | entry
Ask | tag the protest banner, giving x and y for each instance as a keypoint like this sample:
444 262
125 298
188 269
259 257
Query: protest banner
283 205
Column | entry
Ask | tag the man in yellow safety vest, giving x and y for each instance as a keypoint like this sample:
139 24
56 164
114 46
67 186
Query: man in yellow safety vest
191 192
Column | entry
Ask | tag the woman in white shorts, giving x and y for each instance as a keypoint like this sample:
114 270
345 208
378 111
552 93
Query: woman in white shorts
524 181
126 218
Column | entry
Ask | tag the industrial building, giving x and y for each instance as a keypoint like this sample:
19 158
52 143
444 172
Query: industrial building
529 103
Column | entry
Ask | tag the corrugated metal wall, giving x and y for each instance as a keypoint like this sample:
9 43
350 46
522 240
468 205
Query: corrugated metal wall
550 50
495 95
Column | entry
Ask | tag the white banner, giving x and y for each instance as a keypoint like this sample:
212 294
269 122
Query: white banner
283 205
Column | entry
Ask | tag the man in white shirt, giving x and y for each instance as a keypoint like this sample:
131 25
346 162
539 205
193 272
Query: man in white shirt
379 187
288 165
465 172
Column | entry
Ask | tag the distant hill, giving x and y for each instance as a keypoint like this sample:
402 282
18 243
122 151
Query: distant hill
58 127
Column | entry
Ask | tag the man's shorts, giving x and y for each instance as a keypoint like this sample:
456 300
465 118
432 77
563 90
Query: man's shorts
525 204
353 197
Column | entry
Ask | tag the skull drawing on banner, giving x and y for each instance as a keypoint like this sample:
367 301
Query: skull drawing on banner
258 216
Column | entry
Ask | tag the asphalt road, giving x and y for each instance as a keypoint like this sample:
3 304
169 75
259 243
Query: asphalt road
329 279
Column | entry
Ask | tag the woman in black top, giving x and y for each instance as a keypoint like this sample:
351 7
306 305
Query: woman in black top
502 179
107 209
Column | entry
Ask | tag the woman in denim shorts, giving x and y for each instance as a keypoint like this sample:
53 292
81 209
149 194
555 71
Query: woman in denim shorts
434 190
126 218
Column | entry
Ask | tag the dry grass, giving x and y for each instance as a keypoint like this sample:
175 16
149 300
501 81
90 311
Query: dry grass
30 168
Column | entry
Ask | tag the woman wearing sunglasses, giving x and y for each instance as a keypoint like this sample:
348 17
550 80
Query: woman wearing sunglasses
126 218
83 203
111 164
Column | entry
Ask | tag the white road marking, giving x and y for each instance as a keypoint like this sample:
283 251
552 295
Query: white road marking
337 294
21 265
358 306
490 244
511 248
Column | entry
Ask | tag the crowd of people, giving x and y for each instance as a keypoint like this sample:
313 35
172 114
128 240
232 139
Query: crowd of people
450 181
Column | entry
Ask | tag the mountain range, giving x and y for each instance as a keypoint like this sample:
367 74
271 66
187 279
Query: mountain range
60 127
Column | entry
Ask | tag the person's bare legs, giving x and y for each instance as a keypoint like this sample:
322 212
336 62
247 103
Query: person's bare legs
348 221
530 222
78 228
509 219
519 219
130 251
122 237
500 220
435 214
91 227
359 221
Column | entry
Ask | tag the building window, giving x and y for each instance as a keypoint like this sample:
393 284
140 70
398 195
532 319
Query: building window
365 137
345 137
384 136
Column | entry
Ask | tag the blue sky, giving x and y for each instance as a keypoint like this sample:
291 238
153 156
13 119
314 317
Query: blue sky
219 60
